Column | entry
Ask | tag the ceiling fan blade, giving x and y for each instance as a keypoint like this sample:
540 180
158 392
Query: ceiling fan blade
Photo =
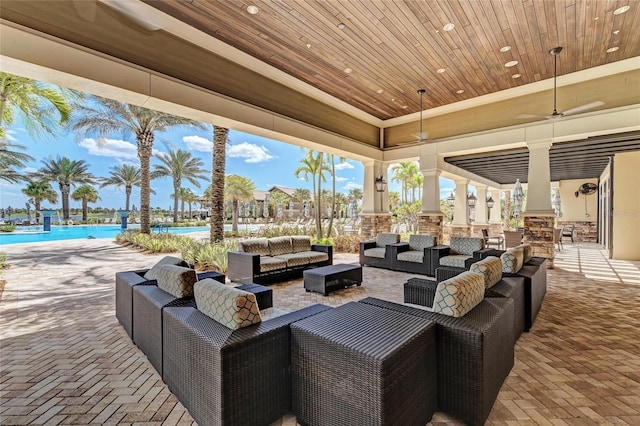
524 116
421 136
86 9
139 13
582 108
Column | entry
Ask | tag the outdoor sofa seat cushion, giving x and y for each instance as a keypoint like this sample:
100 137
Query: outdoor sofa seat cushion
416 256
417 244
378 252
294 259
316 256
454 260
268 263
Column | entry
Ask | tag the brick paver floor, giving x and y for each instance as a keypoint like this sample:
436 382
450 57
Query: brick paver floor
64 359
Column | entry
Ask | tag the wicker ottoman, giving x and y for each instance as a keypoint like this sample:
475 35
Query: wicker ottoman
332 277
354 365
264 295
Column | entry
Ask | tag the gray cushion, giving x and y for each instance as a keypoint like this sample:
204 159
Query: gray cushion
416 256
466 245
382 239
375 252
420 242
456 260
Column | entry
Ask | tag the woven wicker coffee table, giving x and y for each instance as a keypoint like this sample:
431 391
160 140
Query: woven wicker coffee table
333 277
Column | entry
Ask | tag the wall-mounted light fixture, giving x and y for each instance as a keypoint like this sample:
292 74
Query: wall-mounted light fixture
451 200
381 184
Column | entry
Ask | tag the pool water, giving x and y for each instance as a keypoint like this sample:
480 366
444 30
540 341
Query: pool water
35 234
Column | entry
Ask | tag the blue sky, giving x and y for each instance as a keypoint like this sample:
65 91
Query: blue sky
267 162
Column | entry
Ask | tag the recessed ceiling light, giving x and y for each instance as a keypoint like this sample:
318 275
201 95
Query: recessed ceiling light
596 18
612 49
448 27
511 64
620 10
379 91
252 9
440 70
341 26
348 70
403 107
459 92
516 76
505 48
308 45
616 32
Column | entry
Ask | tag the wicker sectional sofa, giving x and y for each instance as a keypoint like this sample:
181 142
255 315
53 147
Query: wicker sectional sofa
269 260
386 251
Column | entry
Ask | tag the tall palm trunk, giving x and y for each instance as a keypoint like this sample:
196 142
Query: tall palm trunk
220 135
333 196
64 192
127 191
176 195
145 149
85 208
234 205
36 202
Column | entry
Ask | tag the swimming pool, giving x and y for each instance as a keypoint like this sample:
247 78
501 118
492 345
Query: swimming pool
35 234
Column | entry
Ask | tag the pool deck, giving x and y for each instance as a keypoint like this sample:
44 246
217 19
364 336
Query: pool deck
66 360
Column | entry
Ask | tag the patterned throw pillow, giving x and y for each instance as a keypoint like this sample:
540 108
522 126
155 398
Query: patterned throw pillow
527 252
420 242
458 295
491 268
227 305
255 246
167 260
280 245
177 280
382 239
301 243
512 260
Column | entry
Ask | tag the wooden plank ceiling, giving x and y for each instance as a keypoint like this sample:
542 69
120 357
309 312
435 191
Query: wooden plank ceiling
583 159
375 54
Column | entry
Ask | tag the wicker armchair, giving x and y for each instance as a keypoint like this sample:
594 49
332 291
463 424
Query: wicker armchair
376 253
414 257
229 377
460 253
475 354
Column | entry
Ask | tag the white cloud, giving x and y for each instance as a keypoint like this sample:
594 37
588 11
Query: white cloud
198 143
352 185
9 135
30 170
250 152
113 148
341 179
344 166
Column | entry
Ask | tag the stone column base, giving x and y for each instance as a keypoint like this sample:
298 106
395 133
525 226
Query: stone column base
538 231
373 223
460 230
432 224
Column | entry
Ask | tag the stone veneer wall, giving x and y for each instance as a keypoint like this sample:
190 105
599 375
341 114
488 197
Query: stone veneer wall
538 231
460 231
432 224
373 223
586 232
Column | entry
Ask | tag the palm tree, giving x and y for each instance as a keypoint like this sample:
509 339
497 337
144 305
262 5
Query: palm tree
87 194
238 188
41 107
403 173
313 165
39 191
124 175
301 195
179 165
109 117
188 197
11 160
67 173
220 138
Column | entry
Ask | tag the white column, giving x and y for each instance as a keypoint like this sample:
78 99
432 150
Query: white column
372 201
494 212
481 205
539 179
461 208
431 191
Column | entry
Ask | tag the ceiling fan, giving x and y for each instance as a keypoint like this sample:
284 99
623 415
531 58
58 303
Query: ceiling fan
555 114
420 136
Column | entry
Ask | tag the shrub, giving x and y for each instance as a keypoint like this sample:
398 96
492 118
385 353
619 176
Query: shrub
3 261
7 228
285 229
347 243
327 241
208 256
